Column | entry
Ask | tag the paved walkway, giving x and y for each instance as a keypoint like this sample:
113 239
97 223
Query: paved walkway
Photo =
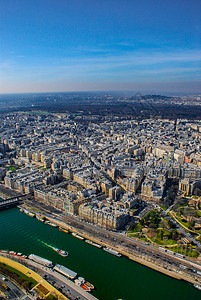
14 291
188 235
155 258
74 291
30 273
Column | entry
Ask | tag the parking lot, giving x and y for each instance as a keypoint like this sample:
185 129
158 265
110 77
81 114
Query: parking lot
11 290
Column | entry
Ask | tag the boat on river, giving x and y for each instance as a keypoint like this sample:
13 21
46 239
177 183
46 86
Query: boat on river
77 282
89 285
53 224
65 271
93 244
86 288
197 287
77 236
63 229
61 252
109 250
86 283
40 218
43 261
27 212
81 282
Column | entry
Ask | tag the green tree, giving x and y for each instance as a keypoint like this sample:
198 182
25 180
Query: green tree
197 192
160 234
191 224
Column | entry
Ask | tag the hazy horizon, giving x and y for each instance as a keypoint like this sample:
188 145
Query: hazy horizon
112 92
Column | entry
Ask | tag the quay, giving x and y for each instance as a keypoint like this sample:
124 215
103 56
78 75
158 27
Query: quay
132 249
47 278
9 203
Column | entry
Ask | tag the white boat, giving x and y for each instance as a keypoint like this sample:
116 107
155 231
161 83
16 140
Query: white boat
53 224
27 212
197 287
81 279
38 217
61 252
50 223
93 244
109 250
77 236
65 271
77 282
41 260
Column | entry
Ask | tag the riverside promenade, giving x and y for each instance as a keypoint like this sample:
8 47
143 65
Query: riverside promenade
41 283
42 275
147 255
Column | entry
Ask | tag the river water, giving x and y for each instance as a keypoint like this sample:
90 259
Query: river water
113 277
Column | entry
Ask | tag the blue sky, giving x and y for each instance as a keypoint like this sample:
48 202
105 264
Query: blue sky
83 45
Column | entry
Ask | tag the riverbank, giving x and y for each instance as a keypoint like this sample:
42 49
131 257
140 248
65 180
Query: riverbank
113 277
41 286
149 262
3 196
8 193
18 263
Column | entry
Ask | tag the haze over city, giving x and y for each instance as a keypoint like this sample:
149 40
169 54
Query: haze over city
51 46
100 149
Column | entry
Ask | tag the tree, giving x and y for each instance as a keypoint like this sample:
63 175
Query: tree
171 224
197 192
191 224
160 234
175 235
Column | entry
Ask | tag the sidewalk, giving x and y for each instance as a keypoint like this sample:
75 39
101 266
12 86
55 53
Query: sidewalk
28 272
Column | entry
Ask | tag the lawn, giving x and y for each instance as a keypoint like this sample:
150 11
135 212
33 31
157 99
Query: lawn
187 252
167 242
13 169
22 279
137 228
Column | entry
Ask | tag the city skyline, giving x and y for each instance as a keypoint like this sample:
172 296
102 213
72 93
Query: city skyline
112 45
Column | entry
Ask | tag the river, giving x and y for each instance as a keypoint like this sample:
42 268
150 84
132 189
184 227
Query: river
113 277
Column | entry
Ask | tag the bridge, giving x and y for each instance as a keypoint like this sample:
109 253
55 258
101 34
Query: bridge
9 203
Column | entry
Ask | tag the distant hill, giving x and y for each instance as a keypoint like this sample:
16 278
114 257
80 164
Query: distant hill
155 97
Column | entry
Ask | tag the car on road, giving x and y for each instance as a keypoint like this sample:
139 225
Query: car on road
4 279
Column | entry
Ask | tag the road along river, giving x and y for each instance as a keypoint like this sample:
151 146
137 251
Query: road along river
113 277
